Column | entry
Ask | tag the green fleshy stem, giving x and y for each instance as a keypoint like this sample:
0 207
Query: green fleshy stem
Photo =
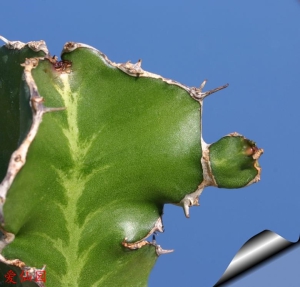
234 161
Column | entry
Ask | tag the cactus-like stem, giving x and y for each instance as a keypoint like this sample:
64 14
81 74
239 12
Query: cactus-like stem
98 173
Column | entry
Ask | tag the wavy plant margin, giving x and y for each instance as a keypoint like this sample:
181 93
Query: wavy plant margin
246 149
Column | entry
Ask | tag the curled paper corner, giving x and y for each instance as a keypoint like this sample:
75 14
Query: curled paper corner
256 250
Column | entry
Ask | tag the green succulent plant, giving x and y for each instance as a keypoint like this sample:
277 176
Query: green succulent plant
90 151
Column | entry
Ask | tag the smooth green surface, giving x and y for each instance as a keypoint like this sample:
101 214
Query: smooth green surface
11 86
101 171
231 166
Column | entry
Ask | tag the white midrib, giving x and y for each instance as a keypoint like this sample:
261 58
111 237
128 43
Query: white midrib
73 183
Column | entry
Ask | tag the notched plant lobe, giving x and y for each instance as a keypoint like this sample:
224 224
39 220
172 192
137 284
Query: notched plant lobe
122 143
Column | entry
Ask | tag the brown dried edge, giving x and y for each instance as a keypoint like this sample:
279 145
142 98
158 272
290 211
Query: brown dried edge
18 157
36 46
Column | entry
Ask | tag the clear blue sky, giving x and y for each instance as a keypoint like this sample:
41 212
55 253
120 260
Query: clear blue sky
252 45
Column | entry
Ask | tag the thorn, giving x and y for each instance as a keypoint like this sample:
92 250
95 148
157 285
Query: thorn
37 103
198 95
137 68
4 40
191 199
158 225
12 44
132 69
202 85
160 251
138 64
213 91
186 208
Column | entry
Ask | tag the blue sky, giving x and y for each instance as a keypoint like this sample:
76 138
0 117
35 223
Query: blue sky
252 45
